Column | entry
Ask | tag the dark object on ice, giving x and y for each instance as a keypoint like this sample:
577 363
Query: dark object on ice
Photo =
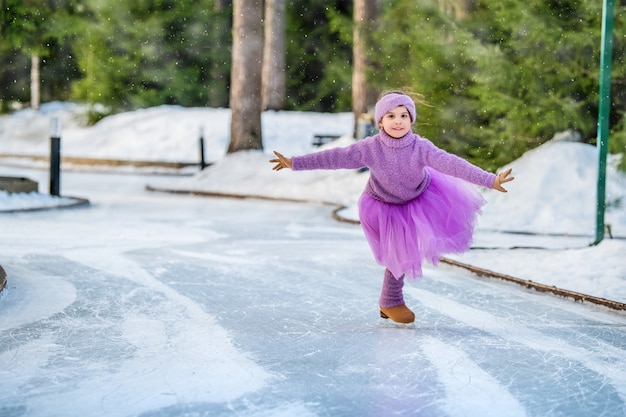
18 185
3 278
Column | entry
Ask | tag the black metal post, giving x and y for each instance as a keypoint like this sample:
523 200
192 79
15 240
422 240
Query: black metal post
202 162
55 158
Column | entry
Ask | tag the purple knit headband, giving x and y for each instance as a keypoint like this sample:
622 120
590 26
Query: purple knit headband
391 101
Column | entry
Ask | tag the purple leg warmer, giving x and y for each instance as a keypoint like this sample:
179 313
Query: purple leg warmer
391 294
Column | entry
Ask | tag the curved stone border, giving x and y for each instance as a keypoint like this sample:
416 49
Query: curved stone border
341 219
236 196
485 273
577 296
78 202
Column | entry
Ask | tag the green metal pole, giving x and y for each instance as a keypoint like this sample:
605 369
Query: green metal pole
603 113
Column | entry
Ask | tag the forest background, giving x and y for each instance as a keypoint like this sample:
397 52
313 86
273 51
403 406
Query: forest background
500 76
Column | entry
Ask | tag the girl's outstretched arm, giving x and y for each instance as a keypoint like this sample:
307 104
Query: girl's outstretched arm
281 161
501 178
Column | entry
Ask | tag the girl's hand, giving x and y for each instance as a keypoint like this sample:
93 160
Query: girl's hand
501 178
281 162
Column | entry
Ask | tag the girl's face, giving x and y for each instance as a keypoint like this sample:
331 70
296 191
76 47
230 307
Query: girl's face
396 122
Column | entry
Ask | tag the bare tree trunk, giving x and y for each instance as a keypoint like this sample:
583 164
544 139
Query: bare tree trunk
273 84
245 86
363 95
35 92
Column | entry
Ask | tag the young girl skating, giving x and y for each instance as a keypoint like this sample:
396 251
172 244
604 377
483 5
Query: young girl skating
418 203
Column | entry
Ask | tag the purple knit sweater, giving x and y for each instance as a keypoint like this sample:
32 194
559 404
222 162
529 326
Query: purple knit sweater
397 166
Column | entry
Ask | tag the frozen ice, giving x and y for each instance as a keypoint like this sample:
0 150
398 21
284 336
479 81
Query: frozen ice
151 304
154 304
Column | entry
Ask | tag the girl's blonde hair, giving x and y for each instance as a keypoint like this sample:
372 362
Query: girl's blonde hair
416 97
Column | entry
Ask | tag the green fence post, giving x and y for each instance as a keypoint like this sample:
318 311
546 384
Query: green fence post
603 113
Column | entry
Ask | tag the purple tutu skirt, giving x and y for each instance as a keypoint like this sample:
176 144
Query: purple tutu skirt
440 220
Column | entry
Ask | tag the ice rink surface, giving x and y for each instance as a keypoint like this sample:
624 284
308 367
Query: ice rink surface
151 304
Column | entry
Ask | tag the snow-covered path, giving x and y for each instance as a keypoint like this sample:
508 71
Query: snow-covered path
160 305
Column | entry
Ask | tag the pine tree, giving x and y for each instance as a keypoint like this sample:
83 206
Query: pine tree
138 54
24 28
503 76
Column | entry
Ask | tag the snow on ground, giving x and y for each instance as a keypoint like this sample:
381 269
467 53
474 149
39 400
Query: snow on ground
32 200
553 194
